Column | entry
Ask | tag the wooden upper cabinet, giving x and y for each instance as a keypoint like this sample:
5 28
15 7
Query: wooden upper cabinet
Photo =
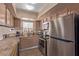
17 23
11 20
14 6
8 17
2 14
10 14
7 14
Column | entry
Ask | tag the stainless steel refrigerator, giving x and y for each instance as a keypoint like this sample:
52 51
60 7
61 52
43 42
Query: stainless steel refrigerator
64 37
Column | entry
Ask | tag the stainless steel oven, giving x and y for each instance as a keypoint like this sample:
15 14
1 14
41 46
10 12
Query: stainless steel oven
43 46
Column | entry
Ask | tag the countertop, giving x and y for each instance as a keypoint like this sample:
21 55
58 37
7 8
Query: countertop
6 45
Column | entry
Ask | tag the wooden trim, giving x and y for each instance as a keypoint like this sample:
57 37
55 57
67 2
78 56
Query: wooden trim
5 15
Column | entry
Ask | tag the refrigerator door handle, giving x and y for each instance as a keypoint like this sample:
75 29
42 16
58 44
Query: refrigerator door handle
61 39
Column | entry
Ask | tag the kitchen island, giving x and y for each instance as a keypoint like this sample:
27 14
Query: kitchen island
9 46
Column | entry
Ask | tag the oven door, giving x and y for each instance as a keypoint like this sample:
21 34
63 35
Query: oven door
43 46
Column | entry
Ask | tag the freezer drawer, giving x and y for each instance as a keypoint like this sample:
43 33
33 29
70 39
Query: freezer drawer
65 48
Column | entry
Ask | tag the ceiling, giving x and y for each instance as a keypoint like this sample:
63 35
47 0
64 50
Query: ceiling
38 9
37 6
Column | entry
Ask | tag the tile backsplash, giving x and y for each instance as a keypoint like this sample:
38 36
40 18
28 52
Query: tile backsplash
5 30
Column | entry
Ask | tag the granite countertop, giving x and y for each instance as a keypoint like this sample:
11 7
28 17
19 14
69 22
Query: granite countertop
7 45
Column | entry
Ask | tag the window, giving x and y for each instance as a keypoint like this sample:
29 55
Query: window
28 26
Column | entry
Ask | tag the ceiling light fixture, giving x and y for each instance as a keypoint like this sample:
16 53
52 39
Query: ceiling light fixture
29 7
33 3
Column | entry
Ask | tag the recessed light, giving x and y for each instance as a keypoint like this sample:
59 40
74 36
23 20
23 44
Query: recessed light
29 7
33 3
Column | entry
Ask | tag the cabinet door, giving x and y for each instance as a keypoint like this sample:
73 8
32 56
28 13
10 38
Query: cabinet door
17 23
8 17
2 14
11 21
65 48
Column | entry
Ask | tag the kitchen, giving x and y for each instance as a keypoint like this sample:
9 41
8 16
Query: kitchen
39 29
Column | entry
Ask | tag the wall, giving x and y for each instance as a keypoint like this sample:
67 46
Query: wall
26 14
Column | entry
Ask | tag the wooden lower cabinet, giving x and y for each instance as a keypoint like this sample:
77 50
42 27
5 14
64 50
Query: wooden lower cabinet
26 42
15 51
